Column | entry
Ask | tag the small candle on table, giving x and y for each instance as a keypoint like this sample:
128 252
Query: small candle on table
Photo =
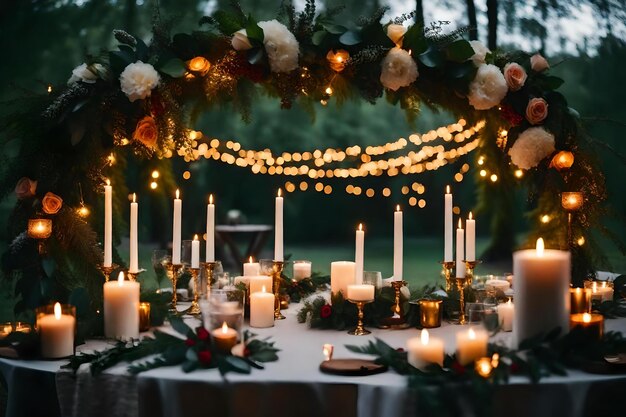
195 252
57 334
358 254
470 239
425 350
224 337
447 233
592 324
460 253
361 292
327 351
262 309
121 309
471 345
134 256
506 311
278 228
251 268
301 270
430 313
210 231
342 274
397 244
258 282
600 290
176 226
108 224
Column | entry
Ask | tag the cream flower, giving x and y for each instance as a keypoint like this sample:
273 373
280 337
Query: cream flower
488 87
480 52
138 80
398 69
538 63
396 33
85 73
531 147
515 75
240 41
281 46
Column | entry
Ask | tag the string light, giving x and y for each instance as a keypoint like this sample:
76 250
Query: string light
545 219
155 174
153 185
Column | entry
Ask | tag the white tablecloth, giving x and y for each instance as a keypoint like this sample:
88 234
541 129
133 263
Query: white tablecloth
293 386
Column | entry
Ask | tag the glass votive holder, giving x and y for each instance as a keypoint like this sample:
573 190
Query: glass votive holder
224 306
144 317
56 324
430 313
301 270
10 327
375 277
204 279
221 280
580 300
591 324
600 290
39 228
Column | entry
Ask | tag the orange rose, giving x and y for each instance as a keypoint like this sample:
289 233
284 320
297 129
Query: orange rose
51 203
199 64
515 75
562 160
537 110
337 60
146 132
25 188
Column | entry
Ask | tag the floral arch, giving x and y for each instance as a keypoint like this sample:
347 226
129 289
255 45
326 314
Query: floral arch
144 97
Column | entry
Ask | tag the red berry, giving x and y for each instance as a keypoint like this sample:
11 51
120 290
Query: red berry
204 356
458 368
190 342
203 334
326 311
246 352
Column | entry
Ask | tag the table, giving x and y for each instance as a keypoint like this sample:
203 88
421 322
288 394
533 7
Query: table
257 236
292 386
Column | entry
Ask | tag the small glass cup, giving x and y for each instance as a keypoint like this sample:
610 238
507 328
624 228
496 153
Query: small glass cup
430 313
374 277
224 306
160 258
600 290
185 252
221 280
144 317
301 270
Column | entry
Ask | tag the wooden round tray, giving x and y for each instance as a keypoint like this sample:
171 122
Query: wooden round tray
352 367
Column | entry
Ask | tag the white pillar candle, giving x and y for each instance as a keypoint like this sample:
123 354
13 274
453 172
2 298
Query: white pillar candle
342 274
210 231
176 232
251 268
471 345
195 252
601 291
121 309
57 334
108 224
262 309
397 245
425 350
498 284
460 253
447 226
258 282
361 292
541 281
134 254
358 254
278 228
470 239
506 312
301 270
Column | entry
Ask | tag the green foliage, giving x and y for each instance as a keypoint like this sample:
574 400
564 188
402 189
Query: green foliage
297 290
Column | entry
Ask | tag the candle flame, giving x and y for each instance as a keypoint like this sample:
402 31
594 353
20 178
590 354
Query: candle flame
120 279
57 311
280 192
509 302
398 207
424 337
211 199
470 215
540 247
360 227
447 189
134 198
460 224
195 237
471 334
224 328
586 318
250 260
327 350
108 181
177 193
263 289
594 287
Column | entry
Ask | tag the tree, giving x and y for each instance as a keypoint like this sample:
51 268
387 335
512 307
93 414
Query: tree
492 25
419 12
471 17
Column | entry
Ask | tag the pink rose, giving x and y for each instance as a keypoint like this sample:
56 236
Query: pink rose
25 188
515 76
536 111
538 63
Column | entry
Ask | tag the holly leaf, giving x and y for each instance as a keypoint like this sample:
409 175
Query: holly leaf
190 366
350 38
174 67
227 364
550 82
179 325
459 51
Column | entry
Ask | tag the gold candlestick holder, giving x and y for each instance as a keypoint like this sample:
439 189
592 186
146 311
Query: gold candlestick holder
461 283
194 310
277 270
397 320
359 330
107 271
448 273
133 276
469 269
209 269
173 271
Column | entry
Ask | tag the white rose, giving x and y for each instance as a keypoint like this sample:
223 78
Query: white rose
398 69
395 33
240 41
488 87
138 80
86 74
480 52
531 147
281 46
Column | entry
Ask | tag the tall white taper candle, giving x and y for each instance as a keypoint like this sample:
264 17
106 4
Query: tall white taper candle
176 233
108 224
195 252
397 244
358 255
447 233
210 231
470 239
134 255
278 228
460 253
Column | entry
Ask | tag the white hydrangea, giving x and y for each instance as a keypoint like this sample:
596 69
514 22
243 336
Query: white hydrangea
138 80
85 73
531 147
398 69
480 52
488 87
281 46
